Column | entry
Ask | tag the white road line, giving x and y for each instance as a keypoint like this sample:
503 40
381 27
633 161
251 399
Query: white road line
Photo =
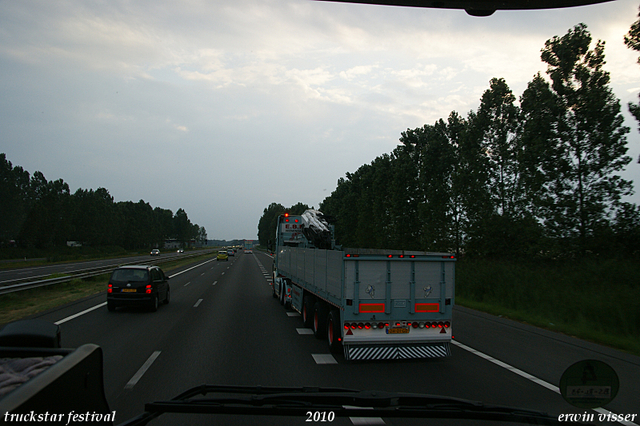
324 359
527 376
293 314
508 367
136 377
198 303
69 318
193 267
187 283
215 282
304 331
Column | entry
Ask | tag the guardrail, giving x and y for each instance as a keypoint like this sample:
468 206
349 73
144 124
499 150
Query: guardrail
84 273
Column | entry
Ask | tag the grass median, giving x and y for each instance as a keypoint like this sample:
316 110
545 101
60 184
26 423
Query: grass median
23 304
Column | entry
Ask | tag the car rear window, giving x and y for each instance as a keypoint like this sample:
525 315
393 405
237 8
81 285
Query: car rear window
130 275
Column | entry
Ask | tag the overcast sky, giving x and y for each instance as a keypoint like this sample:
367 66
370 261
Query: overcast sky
222 107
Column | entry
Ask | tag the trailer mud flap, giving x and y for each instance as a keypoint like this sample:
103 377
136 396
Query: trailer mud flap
414 351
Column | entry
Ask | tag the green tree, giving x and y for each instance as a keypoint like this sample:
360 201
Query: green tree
182 227
14 196
48 222
632 40
93 217
591 134
497 124
267 224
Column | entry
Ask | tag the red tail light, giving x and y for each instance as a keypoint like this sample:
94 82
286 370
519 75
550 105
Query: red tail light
110 289
148 289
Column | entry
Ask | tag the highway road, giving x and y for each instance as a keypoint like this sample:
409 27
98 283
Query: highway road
40 272
223 327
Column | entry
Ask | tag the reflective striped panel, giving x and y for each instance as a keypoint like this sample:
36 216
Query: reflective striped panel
376 352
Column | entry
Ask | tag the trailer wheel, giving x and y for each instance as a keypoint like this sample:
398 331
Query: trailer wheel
307 310
320 312
285 301
333 331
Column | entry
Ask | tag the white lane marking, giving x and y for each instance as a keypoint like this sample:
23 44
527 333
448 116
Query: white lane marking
215 282
526 375
222 273
304 331
293 314
69 318
202 274
136 377
193 267
198 303
324 359
187 283
508 367
365 420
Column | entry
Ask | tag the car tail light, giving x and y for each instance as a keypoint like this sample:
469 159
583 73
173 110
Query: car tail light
148 289
110 288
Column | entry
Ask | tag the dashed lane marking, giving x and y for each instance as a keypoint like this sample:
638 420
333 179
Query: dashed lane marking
136 377
324 359
69 318
198 303
304 331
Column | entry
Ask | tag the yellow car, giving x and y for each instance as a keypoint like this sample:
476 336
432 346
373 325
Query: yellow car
222 255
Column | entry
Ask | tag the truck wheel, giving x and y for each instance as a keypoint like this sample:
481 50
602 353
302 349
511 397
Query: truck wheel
287 301
320 312
307 311
333 331
280 291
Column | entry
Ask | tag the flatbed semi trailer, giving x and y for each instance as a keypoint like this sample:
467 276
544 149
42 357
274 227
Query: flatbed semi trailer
372 304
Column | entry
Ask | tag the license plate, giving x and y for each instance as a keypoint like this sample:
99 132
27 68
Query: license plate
129 290
398 330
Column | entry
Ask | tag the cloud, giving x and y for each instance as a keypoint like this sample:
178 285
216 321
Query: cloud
232 91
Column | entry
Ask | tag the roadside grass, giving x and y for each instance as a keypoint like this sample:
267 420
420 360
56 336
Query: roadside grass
592 299
23 304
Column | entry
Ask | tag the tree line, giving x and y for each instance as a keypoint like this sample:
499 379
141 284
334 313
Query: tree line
536 178
37 213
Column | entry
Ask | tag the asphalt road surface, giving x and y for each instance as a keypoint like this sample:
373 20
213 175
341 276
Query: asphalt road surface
223 327
40 272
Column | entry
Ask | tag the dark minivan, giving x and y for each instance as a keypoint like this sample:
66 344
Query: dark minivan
137 285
